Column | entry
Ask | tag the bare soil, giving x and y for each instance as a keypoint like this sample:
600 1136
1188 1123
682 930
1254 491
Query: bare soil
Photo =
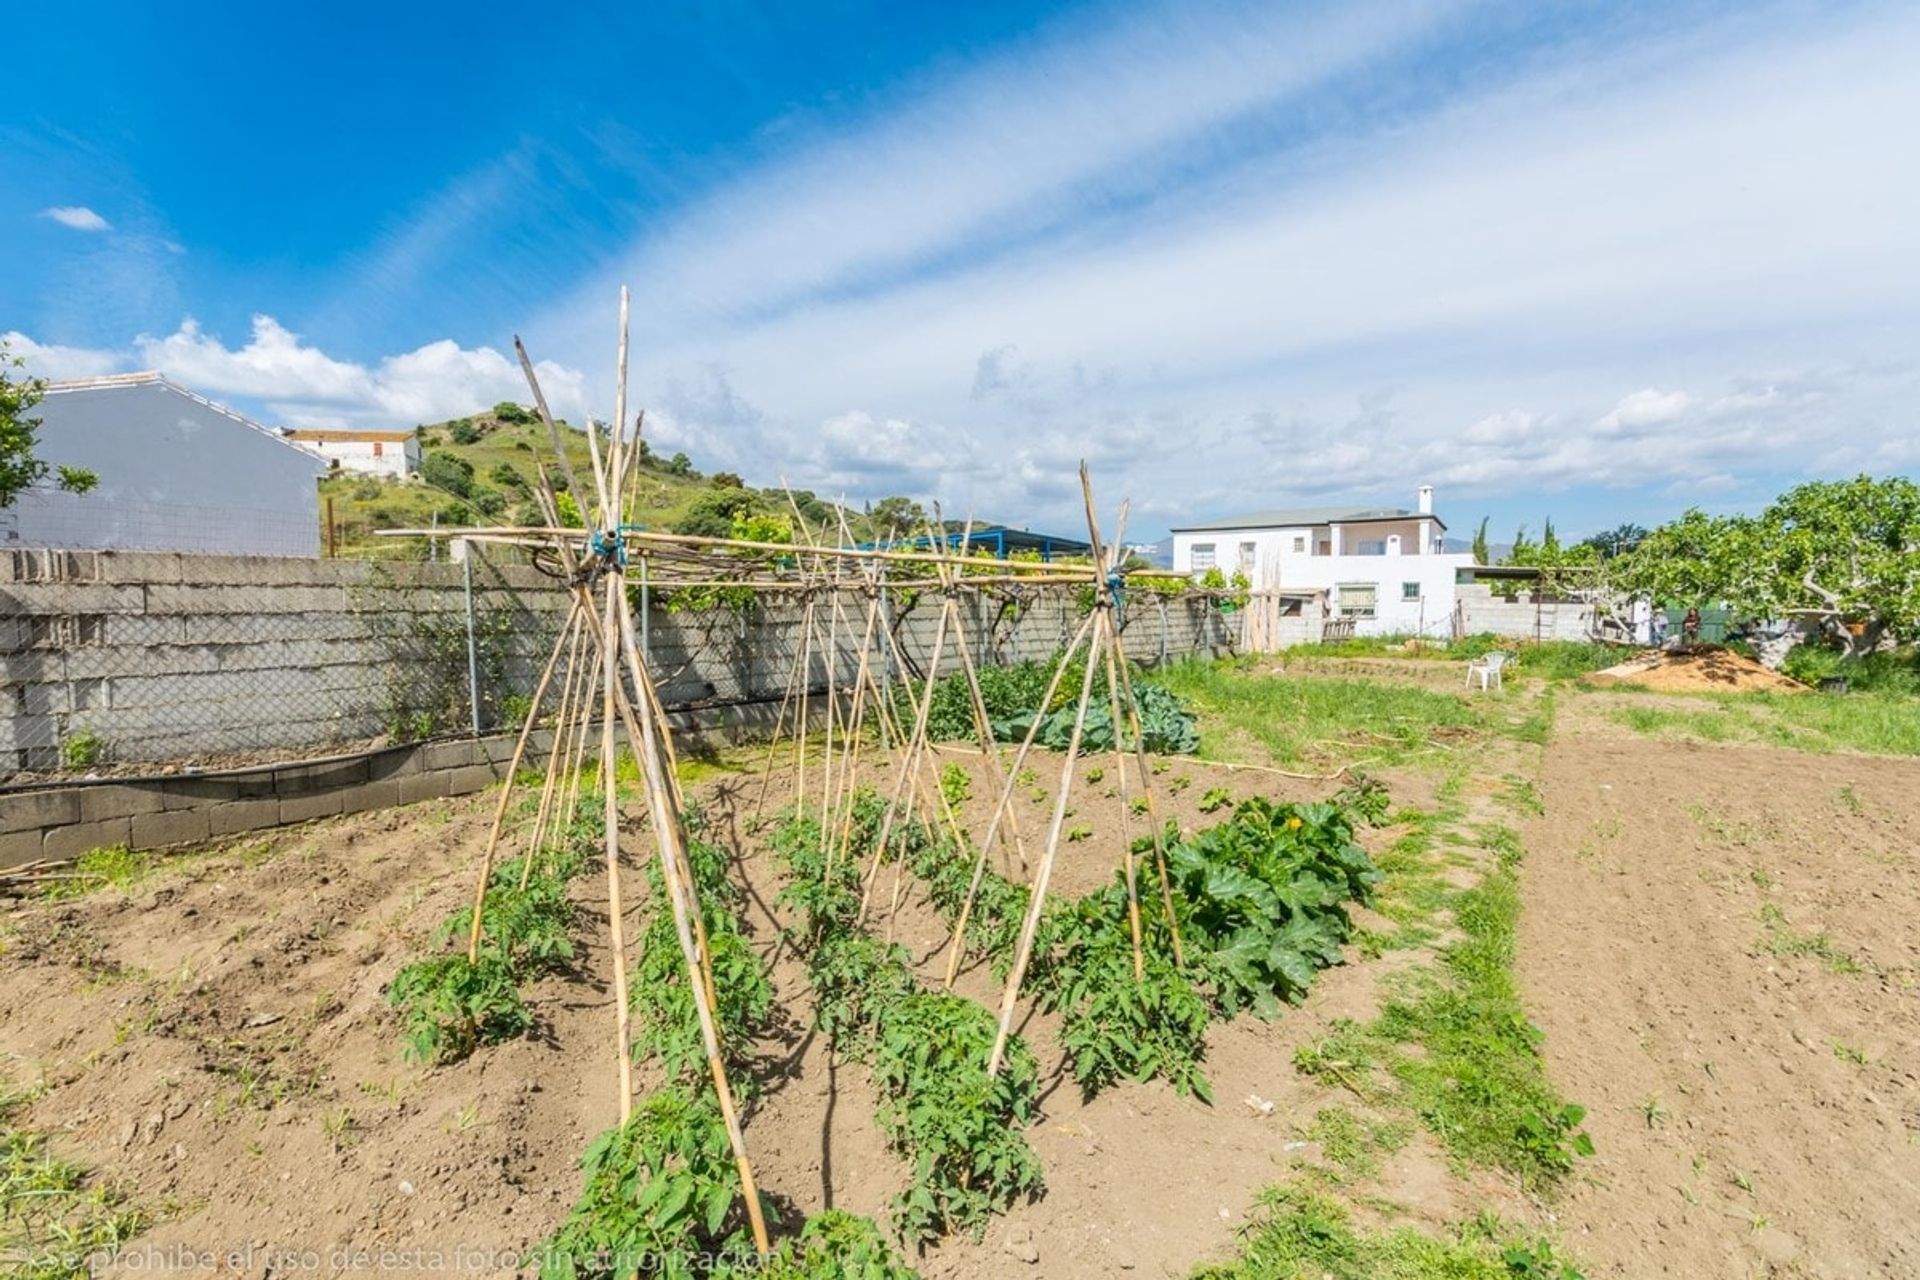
218 1040
1719 943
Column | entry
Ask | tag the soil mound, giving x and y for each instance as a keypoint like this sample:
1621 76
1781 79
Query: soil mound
1698 670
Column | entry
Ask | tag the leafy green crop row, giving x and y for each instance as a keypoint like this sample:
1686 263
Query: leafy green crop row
663 1194
669 1026
926 1052
1261 904
450 1006
1013 694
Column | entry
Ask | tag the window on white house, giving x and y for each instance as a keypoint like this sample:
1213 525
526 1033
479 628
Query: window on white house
376 448
1203 555
1409 591
1246 557
1358 599
1372 547
1300 542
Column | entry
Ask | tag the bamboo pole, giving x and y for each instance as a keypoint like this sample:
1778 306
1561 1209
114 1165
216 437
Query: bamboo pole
1009 569
550 786
506 788
1126 836
616 926
553 431
1037 898
913 745
668 836
1110 624
1006 797
1146 787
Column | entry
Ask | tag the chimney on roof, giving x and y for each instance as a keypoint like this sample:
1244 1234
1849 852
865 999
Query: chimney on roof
1426 499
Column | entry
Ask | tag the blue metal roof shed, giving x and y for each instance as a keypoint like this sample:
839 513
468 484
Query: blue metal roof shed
1001 541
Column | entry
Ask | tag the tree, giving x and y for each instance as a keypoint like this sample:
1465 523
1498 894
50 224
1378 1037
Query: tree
1615 541
508 411
19 466
726 480
1843 554
713 513
1549 556
680 465
897 517
447 471
462 431
1481 555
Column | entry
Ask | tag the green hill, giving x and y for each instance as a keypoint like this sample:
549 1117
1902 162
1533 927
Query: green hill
482 470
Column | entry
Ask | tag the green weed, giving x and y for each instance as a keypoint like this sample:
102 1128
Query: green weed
1299 1233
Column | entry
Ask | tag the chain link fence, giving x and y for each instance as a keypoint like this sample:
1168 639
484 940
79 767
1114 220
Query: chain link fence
151 661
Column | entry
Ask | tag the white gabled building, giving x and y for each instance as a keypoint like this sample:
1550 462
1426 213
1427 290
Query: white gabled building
377 453
1386 568
175 472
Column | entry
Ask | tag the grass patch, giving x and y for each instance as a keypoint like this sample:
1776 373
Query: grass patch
1458 1048
54 1215
1318 720
1874 723
110 867
1547 659
1356 1143
1411 892
1298 1234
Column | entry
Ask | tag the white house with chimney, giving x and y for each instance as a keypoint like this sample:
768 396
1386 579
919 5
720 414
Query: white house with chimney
1384 567
377 453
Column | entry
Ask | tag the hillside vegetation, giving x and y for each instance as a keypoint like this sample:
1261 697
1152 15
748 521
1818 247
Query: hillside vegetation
484 469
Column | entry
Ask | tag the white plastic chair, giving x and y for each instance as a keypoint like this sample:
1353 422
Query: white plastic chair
1488 669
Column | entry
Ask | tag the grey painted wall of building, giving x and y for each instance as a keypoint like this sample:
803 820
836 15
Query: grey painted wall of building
177 473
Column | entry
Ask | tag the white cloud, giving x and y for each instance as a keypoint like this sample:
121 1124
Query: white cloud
304 386
300 385
47 360
1692 206
77 216
1644 409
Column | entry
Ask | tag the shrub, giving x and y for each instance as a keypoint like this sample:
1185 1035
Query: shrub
447 471
462 431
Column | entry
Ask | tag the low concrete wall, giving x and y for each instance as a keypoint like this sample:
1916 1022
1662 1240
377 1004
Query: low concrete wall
188 808
58 822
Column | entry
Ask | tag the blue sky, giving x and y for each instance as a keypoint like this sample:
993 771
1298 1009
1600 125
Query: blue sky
1594 261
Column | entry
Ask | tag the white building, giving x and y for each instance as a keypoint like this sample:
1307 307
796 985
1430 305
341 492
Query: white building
1383 567
377 453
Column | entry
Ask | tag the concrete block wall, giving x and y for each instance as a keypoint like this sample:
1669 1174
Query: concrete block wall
1526 616
170 657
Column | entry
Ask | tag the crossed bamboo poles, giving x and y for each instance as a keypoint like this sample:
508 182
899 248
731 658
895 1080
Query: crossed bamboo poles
596 653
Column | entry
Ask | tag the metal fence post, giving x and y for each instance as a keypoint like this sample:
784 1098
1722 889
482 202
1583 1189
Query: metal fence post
473 648
646 613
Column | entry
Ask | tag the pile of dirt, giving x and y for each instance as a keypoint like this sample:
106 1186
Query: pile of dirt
1698 670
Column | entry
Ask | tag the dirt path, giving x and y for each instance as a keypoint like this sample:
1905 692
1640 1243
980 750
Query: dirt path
1720 944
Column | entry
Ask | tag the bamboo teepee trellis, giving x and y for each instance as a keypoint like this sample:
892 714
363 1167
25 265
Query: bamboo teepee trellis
597 674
